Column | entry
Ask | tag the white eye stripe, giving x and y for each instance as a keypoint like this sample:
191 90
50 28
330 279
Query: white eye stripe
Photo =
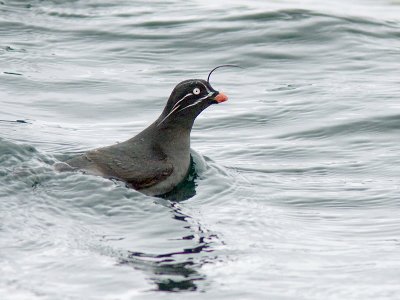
197 102
180 100
177 104
175 108
193 104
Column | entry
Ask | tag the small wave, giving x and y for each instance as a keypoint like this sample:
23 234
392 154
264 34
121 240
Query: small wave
304 14
383 124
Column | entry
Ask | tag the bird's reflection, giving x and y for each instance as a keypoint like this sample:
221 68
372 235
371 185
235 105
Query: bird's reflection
178 271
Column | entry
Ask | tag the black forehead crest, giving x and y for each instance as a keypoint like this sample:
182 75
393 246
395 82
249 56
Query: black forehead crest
191 82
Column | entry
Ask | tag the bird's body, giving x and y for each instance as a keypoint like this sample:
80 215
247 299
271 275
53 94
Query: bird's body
158 158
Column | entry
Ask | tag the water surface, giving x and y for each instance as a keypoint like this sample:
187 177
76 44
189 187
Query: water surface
296 178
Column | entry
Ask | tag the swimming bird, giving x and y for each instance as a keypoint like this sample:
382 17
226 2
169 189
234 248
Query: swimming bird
158 158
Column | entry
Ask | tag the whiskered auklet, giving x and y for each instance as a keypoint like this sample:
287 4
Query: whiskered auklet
158 158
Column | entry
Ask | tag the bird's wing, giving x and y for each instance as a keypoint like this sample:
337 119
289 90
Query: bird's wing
139 170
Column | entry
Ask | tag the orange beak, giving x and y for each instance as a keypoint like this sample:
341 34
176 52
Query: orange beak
221 97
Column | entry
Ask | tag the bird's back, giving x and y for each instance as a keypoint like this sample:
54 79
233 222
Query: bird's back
141 165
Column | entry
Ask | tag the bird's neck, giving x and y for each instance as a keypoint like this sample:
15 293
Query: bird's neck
174 140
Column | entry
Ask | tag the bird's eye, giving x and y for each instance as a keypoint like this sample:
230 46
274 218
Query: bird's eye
196 91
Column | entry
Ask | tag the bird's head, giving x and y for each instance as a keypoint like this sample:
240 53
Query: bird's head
188 99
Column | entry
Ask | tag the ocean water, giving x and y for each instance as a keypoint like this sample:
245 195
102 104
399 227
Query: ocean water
294 192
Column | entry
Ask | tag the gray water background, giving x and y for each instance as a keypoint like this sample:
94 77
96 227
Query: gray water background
298 174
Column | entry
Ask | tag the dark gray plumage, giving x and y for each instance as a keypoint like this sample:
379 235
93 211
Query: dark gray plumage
158 158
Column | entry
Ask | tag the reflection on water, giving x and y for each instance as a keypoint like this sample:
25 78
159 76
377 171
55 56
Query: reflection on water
176 271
